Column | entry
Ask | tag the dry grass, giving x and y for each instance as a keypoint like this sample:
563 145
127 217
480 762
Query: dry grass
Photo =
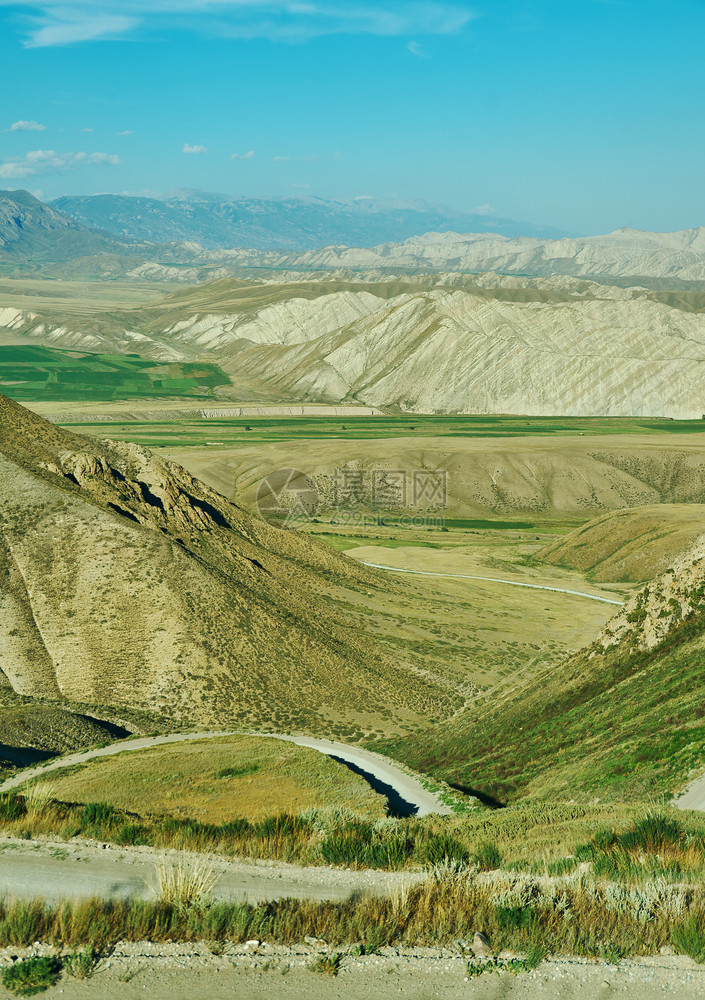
184 883
634 544
218 780
523 914
37 798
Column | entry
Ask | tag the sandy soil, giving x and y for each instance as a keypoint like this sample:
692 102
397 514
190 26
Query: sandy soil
172 972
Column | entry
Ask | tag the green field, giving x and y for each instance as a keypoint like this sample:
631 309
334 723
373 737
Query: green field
233 431
33 372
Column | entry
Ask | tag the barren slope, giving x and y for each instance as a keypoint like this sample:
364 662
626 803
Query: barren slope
559 347
502 476
124 581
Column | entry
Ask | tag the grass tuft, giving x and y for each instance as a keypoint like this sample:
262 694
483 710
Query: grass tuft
185 883
82 964
329 965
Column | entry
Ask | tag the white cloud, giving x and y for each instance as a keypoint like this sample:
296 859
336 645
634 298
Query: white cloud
62 22
87 130
127 131
59 25
417 50
243 156
485 210
23 126
48 161
188 148
281 159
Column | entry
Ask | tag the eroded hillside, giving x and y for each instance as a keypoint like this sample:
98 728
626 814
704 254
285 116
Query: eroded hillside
559 347
126 582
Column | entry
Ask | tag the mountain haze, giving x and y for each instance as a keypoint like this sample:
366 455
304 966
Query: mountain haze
216 221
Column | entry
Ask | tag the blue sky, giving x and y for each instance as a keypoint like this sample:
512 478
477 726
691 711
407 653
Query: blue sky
581 114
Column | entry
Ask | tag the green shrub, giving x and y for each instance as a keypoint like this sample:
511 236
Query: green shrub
132 834
98 814
440 847
33 975
237 772
612 953
82 964
689 939
515 918
653 832
487 856
346 847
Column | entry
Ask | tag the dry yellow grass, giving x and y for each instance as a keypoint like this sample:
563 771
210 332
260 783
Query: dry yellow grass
218 780
635 544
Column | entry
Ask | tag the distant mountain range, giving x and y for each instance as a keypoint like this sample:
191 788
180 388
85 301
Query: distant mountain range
219 222
194 237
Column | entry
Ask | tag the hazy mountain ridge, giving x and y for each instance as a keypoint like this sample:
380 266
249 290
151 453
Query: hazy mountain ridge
183 241
219 222
623 253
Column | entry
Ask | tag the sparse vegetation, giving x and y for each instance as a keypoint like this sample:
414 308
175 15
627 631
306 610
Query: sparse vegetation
31 976
82 964
574 916
329 965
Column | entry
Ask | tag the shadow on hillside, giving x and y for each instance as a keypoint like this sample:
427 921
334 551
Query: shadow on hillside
398 806
24 756
483 797
112 728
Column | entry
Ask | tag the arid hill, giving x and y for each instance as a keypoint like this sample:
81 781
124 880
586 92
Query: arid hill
545 347
633 544
126 582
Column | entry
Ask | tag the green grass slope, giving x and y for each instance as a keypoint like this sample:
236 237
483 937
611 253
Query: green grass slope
623 719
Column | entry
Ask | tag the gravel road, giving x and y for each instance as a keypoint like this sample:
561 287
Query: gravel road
55 870
693 796
405 791
169 971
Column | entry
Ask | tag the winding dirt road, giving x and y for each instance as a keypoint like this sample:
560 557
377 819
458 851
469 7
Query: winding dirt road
404 790
490 579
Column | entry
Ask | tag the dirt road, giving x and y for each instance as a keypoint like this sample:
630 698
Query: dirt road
488 579
405 791
54 870
172 972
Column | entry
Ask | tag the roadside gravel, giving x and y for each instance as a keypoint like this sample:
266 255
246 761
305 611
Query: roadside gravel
263 972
